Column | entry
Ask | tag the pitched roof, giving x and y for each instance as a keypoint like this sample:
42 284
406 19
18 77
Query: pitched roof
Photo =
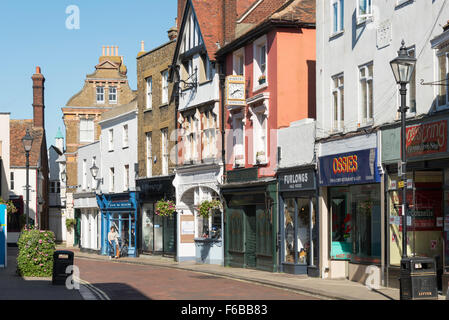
119 110
17 130
298 12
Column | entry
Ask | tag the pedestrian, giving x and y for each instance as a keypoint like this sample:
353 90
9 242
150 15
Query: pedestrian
112 238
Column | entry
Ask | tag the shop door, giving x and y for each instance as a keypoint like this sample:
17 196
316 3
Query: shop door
250 237
169 234
341 229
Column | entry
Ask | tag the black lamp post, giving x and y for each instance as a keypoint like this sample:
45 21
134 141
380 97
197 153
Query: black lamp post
27 142
403 66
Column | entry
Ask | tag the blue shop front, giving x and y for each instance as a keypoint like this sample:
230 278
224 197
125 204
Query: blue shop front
119 210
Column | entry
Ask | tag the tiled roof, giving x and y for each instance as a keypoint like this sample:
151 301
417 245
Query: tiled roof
17 131
296 10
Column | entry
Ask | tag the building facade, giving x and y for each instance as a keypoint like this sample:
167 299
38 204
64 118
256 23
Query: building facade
103 90
156 147
267 86
117 197
360 219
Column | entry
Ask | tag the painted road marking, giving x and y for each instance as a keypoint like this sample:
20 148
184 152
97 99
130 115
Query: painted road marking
88 295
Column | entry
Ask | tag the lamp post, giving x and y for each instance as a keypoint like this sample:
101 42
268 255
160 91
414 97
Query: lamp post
94 172
27 142
403 66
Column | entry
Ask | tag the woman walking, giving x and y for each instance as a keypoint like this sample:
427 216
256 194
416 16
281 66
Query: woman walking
113 242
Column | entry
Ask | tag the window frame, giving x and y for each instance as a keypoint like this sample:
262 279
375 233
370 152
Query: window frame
90 131
149 92
366 79
164 85
239 117
257 63
100 94
442 52
111 179
125 136
337 13
238 60
112 101
164 151
368 15
126 177
149 154
111 140
338 124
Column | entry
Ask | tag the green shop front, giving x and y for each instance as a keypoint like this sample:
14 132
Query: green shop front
427 195
350 184
250 220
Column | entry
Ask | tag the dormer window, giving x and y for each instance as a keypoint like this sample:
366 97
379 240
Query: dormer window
113 95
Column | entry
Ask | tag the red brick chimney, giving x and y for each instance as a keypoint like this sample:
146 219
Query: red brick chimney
38 98
181 7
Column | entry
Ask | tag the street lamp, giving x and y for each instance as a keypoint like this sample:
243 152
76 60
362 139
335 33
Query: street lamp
403 66
64 176
94 172
27 142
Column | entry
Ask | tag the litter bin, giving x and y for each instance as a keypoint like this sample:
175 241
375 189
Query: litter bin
418 279
61 260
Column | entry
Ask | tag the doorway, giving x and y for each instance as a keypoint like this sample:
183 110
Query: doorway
250 237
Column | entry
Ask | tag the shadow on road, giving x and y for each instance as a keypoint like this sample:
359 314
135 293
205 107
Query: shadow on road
119 291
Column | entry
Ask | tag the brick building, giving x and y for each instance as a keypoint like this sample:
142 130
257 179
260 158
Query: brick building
156 124
38 162
103 90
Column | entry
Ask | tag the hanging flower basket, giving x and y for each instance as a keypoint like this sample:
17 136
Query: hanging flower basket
10 208
165 208
206 207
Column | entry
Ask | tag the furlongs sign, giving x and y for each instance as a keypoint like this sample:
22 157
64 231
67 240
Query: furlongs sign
426 138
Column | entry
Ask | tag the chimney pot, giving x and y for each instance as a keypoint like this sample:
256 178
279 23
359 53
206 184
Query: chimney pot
116 51
107 50
38 70
103 50
142 45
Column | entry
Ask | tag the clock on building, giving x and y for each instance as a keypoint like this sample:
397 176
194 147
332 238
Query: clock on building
235 88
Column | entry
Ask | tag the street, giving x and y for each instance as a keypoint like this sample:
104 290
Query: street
122 281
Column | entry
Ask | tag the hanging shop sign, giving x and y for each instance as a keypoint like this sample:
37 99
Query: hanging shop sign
426 138
297 180
355 167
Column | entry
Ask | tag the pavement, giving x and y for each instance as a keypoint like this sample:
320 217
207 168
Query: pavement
15 287
317 287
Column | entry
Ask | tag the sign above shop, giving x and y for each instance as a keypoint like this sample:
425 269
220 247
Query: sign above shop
426 138
355 167
297 180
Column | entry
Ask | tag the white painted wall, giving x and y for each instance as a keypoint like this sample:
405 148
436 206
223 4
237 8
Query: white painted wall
120 156
4 152
417 22
88 152
295 151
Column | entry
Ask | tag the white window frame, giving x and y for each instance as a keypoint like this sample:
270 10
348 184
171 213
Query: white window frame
149 93
257 70
238 59
445 105
164 87
126 177
365 80
149 153
100 94
337 13
209 134
368 14
111 179
239 117
164 150
86 130
338 119
125 136
112 95
111 140
260 134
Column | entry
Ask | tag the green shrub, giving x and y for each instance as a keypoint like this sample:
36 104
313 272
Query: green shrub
70 223
36 250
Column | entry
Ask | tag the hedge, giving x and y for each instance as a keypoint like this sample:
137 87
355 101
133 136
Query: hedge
36 250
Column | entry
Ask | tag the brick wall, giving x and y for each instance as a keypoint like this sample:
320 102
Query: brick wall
161 115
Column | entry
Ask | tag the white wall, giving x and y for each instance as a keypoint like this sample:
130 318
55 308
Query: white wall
120 156
417 23
88 152
19 188
5 144
294 151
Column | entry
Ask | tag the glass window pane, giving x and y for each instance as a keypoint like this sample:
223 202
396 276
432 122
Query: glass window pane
370 99
303 229
363 99
289 227
342 104
442 78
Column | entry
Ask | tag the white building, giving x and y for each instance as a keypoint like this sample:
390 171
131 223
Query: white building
85 197
359 133
4 155
55 206
117 172
200 168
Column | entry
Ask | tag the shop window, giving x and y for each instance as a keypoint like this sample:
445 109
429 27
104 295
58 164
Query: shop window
341 247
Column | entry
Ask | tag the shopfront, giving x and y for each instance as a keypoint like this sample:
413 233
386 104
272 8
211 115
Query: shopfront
298 225
120 211
158 233
86 206
250 220
427 196
353 202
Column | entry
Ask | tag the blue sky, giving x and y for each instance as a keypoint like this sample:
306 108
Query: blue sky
33 33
